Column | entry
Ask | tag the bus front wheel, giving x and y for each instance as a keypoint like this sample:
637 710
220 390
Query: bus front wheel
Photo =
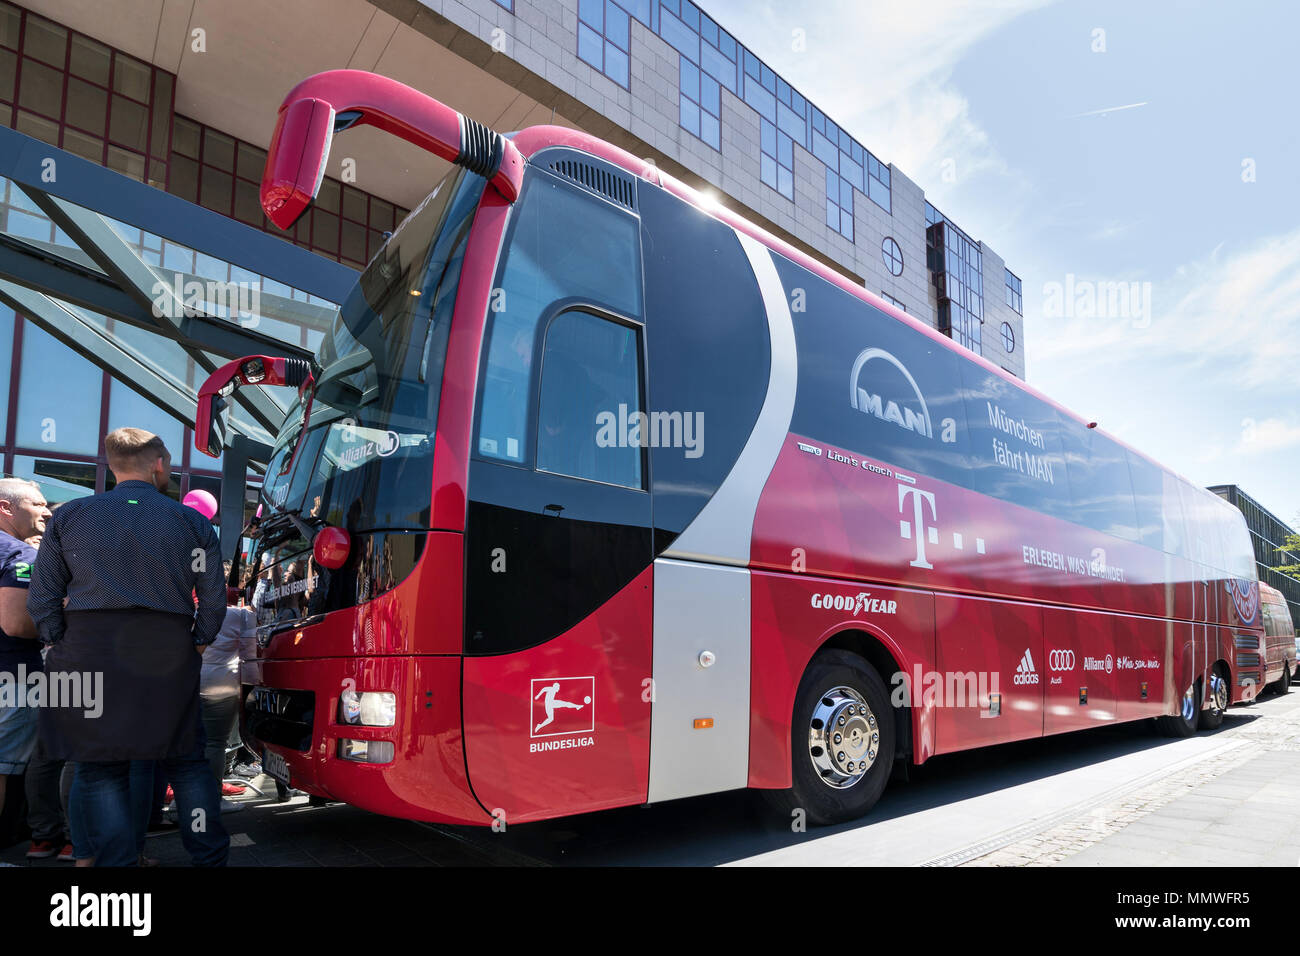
842 741
1185 722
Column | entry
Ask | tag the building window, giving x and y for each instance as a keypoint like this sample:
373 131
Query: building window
712 60
776 159
956 263
701 104
1014 298
603 38
706 65
506 4
1008 337
892 255
224 174
71 91
100 104
892 301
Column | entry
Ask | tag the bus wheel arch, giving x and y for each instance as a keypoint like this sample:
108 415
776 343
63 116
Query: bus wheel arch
842 740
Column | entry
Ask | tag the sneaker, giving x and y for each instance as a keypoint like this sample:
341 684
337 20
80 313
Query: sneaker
66 855
232 790
230 806
42 850
247 771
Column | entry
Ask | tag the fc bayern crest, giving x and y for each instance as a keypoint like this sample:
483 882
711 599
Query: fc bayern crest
1245 595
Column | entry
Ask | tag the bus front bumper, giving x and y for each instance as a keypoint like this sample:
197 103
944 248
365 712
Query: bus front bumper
291 715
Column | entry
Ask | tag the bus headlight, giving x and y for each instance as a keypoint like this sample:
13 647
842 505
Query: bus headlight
368 708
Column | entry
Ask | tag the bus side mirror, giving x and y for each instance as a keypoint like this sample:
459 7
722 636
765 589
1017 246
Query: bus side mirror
212 414
295 164
210 420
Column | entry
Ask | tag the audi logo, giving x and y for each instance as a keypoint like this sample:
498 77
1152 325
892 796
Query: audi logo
1061 660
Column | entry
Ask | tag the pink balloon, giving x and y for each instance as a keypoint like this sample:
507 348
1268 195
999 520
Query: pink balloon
201 501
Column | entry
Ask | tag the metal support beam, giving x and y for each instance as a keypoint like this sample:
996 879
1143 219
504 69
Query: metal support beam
27 162
83 284
94 236
91 343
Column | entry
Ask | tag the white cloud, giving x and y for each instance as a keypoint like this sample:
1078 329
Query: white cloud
1269 435
1229 318
900 56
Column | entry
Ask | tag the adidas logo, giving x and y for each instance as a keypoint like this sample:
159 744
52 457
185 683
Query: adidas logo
1025 673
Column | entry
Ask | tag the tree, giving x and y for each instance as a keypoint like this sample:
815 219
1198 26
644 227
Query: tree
1290 549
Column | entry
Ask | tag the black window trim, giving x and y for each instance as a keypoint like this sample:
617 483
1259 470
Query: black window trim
549 315
561 308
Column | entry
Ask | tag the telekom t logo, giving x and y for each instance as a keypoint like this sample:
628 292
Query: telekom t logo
917 528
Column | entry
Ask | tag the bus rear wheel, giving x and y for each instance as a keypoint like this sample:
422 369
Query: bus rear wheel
842 741
1283 684
1220 698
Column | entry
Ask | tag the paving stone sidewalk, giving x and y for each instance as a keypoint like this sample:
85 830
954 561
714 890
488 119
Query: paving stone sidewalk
1238 808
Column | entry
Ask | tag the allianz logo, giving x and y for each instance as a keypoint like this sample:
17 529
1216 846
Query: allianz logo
873 367
1106 663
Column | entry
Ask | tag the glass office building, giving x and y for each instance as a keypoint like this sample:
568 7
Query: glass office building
1268 533
132 143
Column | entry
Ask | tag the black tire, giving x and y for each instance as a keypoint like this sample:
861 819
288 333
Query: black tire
1283 684
822 801
1212 716
1181 724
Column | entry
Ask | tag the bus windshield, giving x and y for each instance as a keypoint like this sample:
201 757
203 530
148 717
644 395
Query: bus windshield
365 462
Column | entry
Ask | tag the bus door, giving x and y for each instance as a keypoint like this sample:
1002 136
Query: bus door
558 600
1002 640
1082 668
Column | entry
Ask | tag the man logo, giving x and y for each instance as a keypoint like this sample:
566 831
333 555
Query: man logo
913 414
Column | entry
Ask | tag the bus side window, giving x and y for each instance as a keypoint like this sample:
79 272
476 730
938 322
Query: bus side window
563 244
590 402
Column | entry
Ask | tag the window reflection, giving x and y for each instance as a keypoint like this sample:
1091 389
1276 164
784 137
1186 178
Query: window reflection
60 481
58 396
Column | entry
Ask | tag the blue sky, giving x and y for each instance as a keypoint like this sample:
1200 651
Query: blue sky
1008 95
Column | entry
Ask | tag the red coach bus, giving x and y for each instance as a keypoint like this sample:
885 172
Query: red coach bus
599 495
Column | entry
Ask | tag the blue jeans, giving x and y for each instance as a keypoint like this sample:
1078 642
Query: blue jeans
110 805
142 789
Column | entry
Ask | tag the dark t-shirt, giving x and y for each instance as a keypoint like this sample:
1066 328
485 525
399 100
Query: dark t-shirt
16 560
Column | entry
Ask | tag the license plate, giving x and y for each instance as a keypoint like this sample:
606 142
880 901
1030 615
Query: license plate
276 766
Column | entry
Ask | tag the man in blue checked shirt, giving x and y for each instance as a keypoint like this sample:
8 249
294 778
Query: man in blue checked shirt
23 513
132 564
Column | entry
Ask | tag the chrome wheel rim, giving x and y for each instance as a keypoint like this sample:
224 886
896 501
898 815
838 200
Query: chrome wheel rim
843 737
1218 694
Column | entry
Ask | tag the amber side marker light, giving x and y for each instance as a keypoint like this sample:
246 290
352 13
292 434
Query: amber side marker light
703 723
